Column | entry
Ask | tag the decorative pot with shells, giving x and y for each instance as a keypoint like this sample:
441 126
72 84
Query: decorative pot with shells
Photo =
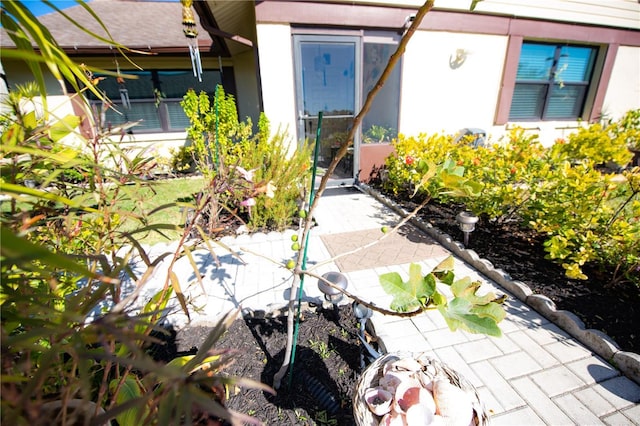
408 389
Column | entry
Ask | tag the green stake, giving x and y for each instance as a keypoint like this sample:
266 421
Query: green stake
316 150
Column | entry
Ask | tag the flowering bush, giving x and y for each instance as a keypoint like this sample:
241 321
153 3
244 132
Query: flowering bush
589 215
413 167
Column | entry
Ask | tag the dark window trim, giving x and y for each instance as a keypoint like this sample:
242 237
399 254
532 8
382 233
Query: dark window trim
228 83
550 82
597 87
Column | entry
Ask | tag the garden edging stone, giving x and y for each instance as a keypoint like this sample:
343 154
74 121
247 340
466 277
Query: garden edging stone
595 340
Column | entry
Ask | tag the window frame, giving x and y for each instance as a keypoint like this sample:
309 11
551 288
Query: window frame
549 85
162 109
606 52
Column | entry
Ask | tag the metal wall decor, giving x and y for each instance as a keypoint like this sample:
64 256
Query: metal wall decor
189 29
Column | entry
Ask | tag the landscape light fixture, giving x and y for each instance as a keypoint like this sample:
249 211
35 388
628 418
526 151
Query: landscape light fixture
332 294
362 314
467 223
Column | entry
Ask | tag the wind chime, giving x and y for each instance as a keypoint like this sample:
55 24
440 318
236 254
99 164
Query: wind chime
189 28
124 93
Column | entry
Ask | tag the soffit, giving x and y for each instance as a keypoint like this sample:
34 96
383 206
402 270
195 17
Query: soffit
237 18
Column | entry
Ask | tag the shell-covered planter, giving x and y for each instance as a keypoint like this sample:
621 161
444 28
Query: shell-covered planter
423 391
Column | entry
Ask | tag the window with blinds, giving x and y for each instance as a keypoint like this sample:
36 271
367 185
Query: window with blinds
552 81
154 98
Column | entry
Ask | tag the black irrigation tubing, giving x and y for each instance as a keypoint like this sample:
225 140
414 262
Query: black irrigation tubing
323 396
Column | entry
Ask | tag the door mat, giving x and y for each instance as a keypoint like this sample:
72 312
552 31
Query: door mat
407 245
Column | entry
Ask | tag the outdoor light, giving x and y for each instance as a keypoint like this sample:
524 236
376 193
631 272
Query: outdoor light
467 223
363 313
332 294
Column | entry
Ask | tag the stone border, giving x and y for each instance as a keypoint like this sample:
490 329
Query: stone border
595 340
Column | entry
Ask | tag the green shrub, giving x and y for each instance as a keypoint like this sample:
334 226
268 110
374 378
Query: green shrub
406 166
289 174
604 145
506 172
222 146
627 129
182 160
587 214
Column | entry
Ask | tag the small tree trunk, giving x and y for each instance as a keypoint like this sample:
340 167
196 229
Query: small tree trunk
393 60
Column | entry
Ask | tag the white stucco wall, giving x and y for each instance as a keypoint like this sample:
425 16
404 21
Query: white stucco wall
276 66
623 92
437 97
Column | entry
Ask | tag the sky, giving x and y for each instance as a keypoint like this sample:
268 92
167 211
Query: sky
38 8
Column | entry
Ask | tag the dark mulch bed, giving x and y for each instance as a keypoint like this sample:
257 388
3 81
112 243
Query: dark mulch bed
326 367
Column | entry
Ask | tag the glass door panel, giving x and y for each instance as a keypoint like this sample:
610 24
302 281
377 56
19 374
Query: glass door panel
327 80
334 132
380 125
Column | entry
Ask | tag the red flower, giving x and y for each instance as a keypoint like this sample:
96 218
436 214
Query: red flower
409 160
476 161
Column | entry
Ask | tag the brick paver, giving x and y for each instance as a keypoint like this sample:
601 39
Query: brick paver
535 374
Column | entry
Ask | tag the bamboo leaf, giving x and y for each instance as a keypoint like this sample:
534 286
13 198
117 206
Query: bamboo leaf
63 127
175 283
194 266
23 252
215 334
11 188
122 408
23 45
474 3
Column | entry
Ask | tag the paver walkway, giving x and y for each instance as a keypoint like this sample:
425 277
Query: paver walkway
534 374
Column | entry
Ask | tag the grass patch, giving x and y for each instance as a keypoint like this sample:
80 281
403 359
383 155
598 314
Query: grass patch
136 201
158 194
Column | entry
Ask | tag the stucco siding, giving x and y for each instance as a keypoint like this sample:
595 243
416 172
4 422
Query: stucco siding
276 68
623 92
437 96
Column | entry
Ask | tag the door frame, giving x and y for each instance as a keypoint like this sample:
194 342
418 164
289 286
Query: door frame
356 39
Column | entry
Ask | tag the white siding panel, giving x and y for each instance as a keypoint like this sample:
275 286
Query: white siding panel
621 13
439 98
615 13
276 69
623 92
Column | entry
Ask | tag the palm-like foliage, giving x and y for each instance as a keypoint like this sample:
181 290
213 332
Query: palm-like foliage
68 332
